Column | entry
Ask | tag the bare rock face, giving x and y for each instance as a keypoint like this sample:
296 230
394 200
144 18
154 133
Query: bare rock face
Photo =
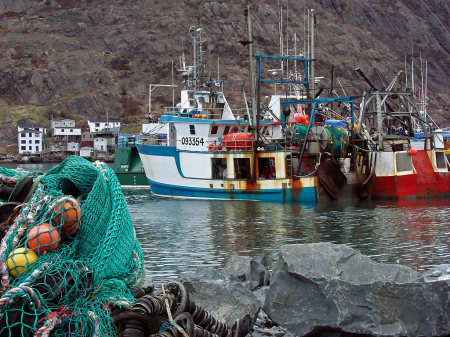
83 57
323 287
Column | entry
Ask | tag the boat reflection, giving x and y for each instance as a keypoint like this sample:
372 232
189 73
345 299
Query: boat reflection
179 235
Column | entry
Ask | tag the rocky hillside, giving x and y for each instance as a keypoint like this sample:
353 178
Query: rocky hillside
92 58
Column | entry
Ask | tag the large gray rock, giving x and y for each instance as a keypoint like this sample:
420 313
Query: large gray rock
252 271
222 295
322 286
439 273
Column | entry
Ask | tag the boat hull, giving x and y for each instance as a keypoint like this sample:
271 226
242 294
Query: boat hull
426 178
169 177
132 179
128 168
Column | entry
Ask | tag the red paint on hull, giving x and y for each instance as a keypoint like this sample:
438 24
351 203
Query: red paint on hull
444 183
399 187
427 182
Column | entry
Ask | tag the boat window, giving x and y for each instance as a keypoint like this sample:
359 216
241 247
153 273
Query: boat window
440 160
226 130
404 161
266 168
218 168
192 129
214 129
242 168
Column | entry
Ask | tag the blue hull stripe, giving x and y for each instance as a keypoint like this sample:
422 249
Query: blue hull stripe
306 195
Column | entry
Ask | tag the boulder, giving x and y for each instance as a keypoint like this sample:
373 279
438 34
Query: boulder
224 296
330 289
439 273
252 271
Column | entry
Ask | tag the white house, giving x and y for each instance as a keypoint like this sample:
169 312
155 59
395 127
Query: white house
104 125
86 152
29 138
100 145
67 134
63 123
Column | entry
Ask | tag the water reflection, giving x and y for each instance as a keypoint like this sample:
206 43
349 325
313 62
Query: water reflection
178 235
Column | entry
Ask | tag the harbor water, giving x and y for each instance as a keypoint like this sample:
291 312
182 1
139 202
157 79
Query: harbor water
180 235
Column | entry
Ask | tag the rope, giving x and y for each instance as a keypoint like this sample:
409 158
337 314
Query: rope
166 300
53 319
33 187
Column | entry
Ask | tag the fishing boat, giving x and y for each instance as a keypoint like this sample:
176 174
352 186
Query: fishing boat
295 148
408 164
127 163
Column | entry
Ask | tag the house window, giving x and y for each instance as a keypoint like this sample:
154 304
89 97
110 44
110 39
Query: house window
97 125
36 134
23 134
37 148
37 141
192 129
71 130
23 141
30 135
30 148
30 142
23 148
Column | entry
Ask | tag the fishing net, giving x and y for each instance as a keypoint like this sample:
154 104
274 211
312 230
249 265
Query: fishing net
300 131
340 139
70 255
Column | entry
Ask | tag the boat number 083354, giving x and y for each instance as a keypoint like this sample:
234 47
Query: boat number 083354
196 141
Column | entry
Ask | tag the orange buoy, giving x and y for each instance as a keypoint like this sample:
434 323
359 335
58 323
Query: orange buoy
68 214
219 147
43 238
413 151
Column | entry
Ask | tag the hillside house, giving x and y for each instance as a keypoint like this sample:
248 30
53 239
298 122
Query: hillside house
67 134
64 130
30 138
104 125
87 139
63 123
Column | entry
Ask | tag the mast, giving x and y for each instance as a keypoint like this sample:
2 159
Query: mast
252 88
313 80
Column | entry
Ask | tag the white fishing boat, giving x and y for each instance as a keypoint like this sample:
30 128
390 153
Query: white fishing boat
281 153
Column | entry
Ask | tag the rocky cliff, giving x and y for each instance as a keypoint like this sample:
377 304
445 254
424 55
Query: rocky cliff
88 58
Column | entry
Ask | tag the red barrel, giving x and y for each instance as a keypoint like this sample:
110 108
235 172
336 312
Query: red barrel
238 141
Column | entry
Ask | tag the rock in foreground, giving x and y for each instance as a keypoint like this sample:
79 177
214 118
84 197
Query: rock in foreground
320 287
222 295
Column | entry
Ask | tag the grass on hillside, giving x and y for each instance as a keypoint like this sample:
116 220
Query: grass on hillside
11 150
13 113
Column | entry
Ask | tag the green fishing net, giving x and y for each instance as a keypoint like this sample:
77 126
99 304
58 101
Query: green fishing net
70 255
340 139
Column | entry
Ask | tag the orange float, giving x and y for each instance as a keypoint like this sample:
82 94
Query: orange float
413 151
43 238
68 214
